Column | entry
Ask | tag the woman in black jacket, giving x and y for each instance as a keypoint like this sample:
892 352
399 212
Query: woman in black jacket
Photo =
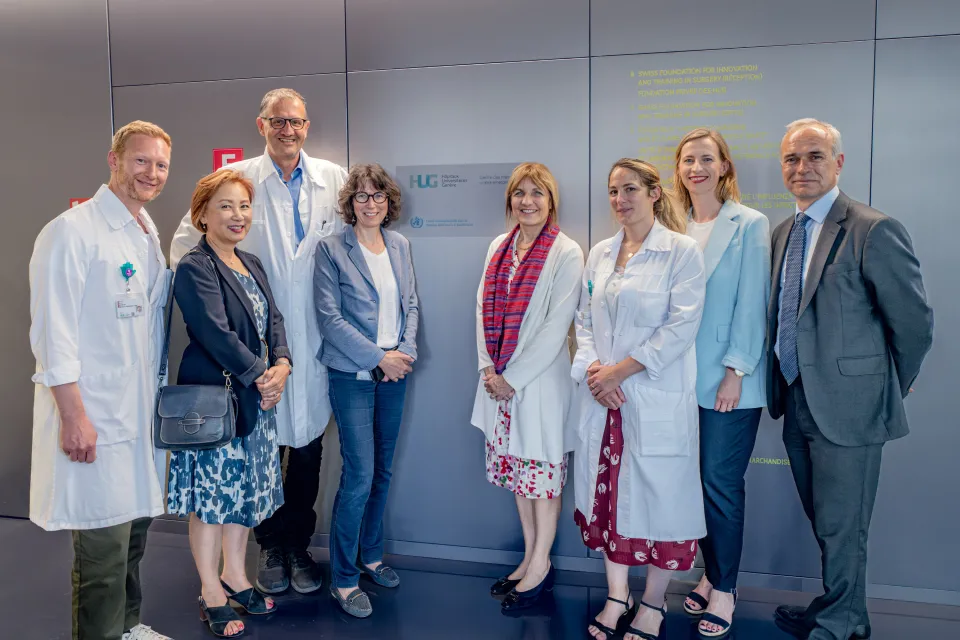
236 333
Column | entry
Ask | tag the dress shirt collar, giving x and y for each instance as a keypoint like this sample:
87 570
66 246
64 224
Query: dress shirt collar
296 172
818 210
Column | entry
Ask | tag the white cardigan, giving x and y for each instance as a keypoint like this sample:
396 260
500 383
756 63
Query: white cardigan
539 370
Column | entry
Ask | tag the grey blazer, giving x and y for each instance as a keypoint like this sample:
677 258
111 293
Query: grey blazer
347 304
864 325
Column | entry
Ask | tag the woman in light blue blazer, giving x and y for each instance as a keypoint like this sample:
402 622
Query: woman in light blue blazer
367 310
735 241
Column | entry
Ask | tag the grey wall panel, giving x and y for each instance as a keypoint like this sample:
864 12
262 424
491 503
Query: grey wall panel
905 18
916 125
183 40
385 34
489 113
56 105
628 26
751 108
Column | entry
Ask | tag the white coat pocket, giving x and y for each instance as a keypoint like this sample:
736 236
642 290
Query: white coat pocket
659 421
652 308
109 407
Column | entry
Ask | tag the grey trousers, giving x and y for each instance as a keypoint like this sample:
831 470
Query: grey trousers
106 580
838 488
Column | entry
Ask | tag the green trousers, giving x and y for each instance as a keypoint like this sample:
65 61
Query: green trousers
106 580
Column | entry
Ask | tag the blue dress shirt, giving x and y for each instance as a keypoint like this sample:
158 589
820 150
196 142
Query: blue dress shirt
293 186
817 213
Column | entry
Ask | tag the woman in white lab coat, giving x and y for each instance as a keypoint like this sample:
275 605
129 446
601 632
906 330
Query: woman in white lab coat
525 305
637 476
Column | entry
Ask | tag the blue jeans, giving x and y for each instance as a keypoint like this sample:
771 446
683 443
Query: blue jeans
368 418
726 443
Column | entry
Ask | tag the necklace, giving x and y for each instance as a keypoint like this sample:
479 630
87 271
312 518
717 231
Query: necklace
232 261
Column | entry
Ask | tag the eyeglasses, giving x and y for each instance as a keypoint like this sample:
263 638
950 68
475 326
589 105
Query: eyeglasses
280 123
362 196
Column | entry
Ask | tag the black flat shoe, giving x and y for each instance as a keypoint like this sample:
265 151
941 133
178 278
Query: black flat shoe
251 600
625 618
517 600
793 620
217 618
503 586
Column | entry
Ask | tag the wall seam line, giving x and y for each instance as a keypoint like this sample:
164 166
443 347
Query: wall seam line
113 123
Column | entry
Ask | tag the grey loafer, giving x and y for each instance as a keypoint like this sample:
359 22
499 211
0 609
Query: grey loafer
382 575
356 603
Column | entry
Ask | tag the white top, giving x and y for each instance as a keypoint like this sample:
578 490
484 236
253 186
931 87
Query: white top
700 231
539 369
655 322
612 292
78 336
385 282
304 409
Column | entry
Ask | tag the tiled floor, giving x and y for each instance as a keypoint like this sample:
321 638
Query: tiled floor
437 600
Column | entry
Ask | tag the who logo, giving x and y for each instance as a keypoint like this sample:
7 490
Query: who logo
428 181
416 222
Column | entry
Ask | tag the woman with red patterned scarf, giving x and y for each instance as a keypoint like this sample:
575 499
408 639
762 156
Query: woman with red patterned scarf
525 305
637 473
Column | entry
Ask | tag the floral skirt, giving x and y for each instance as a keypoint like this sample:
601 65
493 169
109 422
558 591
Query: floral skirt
600 532
238 483
526 478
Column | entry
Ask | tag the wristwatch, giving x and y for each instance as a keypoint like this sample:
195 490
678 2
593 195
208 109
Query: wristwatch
737 372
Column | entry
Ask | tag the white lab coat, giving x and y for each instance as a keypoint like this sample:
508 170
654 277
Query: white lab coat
539 368
658 314
76 336
304 409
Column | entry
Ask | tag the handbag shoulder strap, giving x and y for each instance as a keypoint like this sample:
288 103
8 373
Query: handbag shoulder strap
169 315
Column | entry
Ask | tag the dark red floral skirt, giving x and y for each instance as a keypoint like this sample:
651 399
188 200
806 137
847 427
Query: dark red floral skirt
600 533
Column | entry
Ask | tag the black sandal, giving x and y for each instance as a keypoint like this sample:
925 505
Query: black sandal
612 633
217 618
710 618
698 600
643 634
250 600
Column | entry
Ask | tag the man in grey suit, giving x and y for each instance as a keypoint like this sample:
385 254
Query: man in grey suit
848 328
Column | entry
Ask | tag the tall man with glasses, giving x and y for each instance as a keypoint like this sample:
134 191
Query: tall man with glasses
848 328
294 205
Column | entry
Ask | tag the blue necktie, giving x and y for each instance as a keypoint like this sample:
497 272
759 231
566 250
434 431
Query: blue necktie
792 291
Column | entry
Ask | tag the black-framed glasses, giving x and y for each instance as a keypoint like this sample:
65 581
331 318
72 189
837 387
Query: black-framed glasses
280 123
362 196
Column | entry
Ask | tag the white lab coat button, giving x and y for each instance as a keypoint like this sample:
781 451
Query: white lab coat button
606 333
288 234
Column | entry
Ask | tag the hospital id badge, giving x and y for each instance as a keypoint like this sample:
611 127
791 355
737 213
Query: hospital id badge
129 305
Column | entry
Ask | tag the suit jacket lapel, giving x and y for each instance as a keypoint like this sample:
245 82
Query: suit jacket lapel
828 235
723 231
228 277
356 256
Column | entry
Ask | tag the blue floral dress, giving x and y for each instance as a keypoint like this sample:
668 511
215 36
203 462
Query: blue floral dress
240 482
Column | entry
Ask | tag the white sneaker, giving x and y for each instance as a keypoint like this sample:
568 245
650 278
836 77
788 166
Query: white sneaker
143 632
